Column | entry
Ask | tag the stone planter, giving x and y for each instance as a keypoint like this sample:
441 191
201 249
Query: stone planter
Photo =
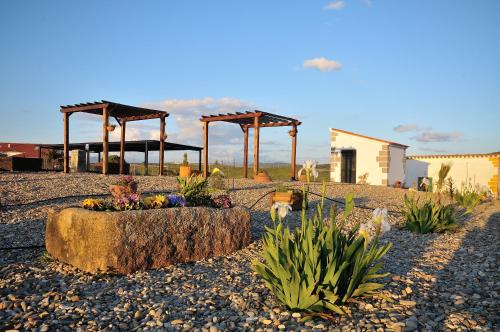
127 241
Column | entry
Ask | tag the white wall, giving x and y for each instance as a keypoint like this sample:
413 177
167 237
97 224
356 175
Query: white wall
396 165
367 151
475 170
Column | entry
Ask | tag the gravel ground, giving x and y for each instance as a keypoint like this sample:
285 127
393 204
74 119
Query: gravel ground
438 282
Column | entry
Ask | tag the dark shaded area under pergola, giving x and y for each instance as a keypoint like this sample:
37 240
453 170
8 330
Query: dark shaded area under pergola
122 114
255 120
144 146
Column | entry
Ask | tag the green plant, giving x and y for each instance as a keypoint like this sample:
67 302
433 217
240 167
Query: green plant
114 159
468 197
185 161
320 266
442 174
450 187
281 188
195 190
429 217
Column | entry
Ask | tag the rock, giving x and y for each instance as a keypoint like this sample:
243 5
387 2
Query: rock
411 324
177 322
74 298
267 322
127 241
296 315
137 315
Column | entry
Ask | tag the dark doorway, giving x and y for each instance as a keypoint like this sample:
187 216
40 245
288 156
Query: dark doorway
348 166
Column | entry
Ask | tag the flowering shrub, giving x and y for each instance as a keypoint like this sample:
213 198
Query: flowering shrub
321 266
222 201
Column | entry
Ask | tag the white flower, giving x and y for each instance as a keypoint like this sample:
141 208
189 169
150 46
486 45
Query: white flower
425 182
309 167
380 218
282 208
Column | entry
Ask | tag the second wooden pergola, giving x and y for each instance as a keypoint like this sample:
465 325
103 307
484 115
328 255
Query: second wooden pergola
255 120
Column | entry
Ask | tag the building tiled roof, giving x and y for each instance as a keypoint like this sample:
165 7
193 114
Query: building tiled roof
464 155
368 137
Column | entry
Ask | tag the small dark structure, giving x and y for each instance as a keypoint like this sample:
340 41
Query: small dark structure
20 164
144 146
255 120
122 114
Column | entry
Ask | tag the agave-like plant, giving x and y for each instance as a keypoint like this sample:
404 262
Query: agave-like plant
320 266
429 217
194 189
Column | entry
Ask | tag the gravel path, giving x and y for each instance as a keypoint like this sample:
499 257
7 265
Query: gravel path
438 282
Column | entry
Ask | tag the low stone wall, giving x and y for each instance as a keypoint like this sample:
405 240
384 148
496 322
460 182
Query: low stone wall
127 241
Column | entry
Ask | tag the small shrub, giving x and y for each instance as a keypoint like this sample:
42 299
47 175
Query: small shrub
281 188
185 161
195 190
320 266
468 198
217 180
429 217
363 178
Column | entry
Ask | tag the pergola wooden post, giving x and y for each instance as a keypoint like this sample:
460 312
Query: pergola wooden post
162 144
122 114
255 120
66 141
105 140
293 134
245 152
122 147
256 126
205 149
146 157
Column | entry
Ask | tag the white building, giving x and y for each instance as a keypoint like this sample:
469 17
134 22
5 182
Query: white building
475 169
357 158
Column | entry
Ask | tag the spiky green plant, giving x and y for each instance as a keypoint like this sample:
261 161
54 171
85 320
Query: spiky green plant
429 217
320 266
468 198
194 189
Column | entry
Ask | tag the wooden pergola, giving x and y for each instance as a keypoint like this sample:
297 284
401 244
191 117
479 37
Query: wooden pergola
122 114
255 120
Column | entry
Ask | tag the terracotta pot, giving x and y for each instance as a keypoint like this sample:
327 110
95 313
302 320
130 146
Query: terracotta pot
262 177
118 191
184 171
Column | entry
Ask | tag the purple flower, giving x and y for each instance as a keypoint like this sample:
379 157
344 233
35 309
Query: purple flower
134 198
176 200
127 178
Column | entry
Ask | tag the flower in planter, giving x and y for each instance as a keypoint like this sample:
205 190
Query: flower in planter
155 202
176 200
93 204
130 202
222 201
282 208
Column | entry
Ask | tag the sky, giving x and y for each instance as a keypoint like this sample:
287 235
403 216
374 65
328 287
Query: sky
421 73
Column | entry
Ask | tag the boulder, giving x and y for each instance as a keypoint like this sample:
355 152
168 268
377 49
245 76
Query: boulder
127 241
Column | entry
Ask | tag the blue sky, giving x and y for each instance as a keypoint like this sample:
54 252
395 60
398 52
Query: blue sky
430 67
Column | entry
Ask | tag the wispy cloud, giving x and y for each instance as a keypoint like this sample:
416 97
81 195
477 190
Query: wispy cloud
368 3
336 5
438 136
322 64
405 128
427 149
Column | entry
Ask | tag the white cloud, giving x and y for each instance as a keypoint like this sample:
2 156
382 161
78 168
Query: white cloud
405 128
437 136
322 64
336 5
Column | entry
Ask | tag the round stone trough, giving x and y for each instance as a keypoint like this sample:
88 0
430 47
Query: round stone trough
126 241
